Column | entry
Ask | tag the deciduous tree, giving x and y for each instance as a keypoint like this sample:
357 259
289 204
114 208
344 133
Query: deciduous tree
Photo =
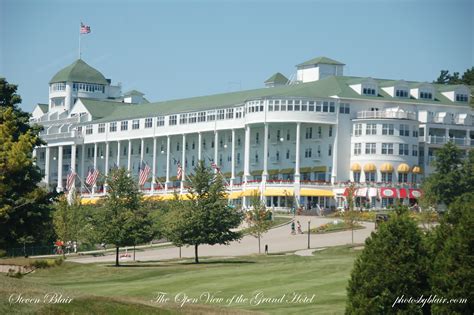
259 218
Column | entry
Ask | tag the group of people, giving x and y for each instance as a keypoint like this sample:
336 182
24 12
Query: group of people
298 227
60 248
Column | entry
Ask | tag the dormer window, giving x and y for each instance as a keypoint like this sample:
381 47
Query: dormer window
426 95
368 91
401 93
461 98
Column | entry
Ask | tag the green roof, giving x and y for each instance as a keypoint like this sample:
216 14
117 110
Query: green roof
133 92
320 60
277 78
333 86
44 107
79 71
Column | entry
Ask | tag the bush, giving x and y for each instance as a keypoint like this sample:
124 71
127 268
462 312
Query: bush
3 253
46 263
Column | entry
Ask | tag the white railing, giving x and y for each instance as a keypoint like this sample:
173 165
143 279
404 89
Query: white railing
63 121
386 115
443 140
61 135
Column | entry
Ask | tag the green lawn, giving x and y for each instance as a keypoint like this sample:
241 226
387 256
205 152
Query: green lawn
130 289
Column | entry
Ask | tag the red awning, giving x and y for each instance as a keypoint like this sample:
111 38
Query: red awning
388 192
402 192
415 193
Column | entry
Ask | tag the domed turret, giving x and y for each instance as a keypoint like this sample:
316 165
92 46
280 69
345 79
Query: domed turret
79 71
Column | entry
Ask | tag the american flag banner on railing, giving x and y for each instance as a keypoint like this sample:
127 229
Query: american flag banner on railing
92 176
71 177
143 174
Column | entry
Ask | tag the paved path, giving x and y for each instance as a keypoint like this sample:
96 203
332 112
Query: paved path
278 240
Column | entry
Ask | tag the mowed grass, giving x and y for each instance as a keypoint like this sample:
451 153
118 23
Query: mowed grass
325 274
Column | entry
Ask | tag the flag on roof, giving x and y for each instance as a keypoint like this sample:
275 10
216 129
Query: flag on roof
85 29
143 175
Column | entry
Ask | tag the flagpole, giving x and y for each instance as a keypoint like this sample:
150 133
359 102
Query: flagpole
217 170
80 43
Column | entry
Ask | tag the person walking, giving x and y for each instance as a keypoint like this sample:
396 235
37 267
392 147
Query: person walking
293 227
299 227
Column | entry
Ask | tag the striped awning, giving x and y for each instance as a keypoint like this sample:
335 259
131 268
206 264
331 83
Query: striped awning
282 192
310 192
370 167
386 168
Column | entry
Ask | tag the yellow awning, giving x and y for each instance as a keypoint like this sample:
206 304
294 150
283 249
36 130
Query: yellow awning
319 169
279 192
370 167
403 168
249 192
417 169
89 201
386 168
316 192
355 167
235 195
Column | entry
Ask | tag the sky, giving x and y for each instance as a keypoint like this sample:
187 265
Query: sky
178 49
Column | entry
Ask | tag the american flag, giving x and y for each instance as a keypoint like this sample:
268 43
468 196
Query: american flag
85 29
92 176
179 171
143 175
70 179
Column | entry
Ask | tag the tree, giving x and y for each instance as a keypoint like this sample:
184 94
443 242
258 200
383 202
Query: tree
446 78
122 220
204 219
24 205
259 218
451 247
350 215
392 264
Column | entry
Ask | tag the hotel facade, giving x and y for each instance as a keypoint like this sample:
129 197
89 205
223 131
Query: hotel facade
302 140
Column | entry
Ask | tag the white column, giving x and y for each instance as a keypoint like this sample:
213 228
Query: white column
73 162
265 154
168 152
334 155
142 150
247 154
94 188
153 175
129 162
60 169
46 165
106 165
83 161
297 154
183 163
199 146
232 166
118 154
216 148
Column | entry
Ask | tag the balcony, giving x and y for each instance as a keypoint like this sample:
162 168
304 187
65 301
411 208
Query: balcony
69 135
386 115
64 121
444 140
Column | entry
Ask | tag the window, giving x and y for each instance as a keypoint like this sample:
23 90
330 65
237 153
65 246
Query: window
402 178
330 150
308 152
311 106
89 130
124 125
220 114
387 148
387 177
325 107
404 130
461 98
290 105
183 119
288 135
332 107
148 122
309 133
257 136
135 124
113 127
371 129
370 148
101 128
368 91
330 131
319 106
320 132
297 105
357 177
304 106
160 121
201 116
287 155
387 129
192 118
238 113
401 93
414 150
172 120
426 95
357 130
211 115
229 113
357 148
344 108
415 131
370 176
403 149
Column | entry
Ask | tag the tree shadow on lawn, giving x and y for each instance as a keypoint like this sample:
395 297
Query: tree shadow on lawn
182 263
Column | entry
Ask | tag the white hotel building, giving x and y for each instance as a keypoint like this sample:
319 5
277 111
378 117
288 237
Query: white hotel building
302 140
